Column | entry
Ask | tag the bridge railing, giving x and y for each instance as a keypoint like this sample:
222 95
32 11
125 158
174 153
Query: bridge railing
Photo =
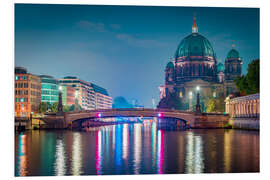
129 109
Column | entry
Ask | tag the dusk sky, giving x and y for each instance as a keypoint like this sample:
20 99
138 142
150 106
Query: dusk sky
122 48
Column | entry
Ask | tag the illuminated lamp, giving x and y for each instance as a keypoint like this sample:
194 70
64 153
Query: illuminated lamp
160 115
99 115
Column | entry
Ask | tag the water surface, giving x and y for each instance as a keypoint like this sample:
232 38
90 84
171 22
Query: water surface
135 149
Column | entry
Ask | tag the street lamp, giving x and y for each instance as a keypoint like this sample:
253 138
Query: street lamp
198 106
60 106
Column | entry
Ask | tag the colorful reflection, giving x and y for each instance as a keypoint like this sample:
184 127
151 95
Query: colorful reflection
118 147
22 156
137 147
125 144
60 158
99 152
154 142
227 152
160 153
76 154
194 154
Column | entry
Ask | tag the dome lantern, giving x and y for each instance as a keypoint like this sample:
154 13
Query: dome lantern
194 27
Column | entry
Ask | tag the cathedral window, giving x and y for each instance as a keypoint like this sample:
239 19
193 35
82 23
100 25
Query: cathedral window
180 94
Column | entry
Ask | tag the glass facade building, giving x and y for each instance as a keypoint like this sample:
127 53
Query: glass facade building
49 89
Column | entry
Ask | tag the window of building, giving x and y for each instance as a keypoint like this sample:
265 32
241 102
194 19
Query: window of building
16 99
180 94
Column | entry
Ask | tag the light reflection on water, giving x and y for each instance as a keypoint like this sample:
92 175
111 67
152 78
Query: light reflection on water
136 149
60 158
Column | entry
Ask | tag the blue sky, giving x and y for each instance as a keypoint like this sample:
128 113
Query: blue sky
124 48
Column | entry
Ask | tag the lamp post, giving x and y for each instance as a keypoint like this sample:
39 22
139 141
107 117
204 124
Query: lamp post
198 106
60 105
190 101
31 117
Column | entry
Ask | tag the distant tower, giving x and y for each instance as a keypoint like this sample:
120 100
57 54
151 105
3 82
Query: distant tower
233 70
233 65
220 72
153 103
169 73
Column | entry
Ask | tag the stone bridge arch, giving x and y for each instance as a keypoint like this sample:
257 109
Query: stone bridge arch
71 117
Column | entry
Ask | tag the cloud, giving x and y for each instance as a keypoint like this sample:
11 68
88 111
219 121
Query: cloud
92 26
134 41
115 26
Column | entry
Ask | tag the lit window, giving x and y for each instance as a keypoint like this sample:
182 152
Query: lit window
180 94
214 94
16 77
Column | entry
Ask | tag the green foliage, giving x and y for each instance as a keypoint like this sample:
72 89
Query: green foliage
72 107
250 83
43 107
54 107
215 105
211 105
66 108
228 126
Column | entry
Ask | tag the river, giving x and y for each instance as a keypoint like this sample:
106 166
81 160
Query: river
141 148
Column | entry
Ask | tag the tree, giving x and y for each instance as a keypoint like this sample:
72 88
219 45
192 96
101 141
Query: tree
72 107
173 101
43 107
215 105
66 108
250 83
211 105
54 107
121 102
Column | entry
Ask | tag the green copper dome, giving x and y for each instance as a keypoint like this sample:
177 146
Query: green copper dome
220 67
194 45
170 65
233 54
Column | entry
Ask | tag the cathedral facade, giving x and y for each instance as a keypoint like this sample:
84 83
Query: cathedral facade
194 68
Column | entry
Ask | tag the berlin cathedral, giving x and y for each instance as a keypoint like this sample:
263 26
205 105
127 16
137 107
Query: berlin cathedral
194 68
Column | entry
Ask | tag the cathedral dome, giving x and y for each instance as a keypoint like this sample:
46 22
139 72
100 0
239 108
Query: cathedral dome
194 45
233 54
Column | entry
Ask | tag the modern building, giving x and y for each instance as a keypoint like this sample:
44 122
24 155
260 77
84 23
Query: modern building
83 91
49 89
27 93
195 64
102 98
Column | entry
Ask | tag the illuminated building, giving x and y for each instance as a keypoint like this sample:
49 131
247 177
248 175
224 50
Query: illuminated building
49 89
27 92
102 98
195 64
86 94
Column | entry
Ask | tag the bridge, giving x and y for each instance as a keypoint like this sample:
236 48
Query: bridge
190 118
